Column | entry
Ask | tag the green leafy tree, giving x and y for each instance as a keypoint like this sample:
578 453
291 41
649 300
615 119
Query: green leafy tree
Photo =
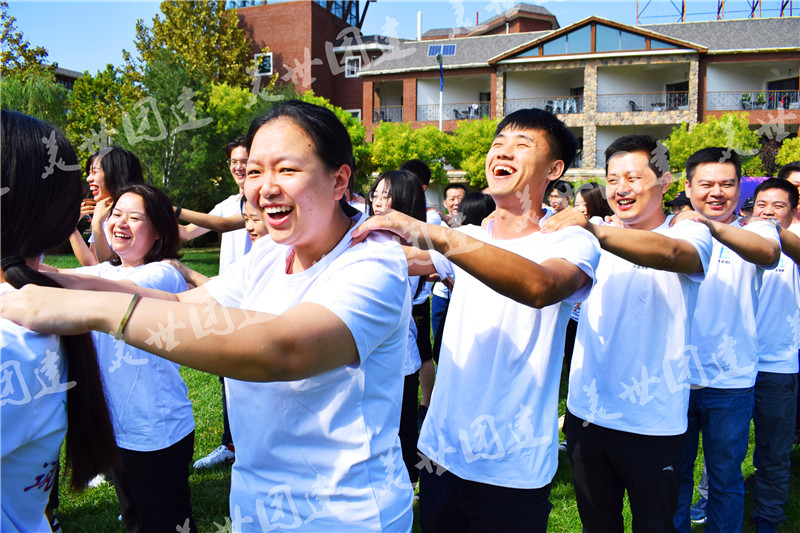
731 130
789 151
204 33
17 53
472 140
358 135
395 143
37 93
99 102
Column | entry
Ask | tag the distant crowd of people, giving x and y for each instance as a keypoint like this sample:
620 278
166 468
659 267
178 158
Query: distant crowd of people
371 348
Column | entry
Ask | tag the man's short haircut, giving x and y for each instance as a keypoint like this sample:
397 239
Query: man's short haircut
236 143
455 186
713 154
420 169
782 184
564 188
657 153
561 141
787 169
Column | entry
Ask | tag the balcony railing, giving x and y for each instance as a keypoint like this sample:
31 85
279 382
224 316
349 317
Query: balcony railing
388 114
459 111
554 104
749 100
638 102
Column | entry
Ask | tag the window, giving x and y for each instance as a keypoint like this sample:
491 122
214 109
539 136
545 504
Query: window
355 113
576 42
352 66
263 64
612 39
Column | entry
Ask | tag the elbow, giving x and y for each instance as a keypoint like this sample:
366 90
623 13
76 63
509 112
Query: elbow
771 256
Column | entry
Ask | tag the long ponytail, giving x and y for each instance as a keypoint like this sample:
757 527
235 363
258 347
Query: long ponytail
40 207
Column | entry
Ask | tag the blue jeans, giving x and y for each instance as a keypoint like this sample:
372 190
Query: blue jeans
774 416
723 415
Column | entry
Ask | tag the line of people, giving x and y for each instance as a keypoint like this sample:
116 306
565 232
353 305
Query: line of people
312 330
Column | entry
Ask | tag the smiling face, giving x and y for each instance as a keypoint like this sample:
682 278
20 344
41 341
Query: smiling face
238 165
520 159
634 192
558 201
453 199
381 199
97 181
580 204
252 222
298 195
774 204
132 233
714 191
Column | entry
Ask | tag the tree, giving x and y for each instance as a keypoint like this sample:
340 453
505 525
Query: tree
98 101
204 33
731 130
472 140
17 53
37 93
395 143
789 151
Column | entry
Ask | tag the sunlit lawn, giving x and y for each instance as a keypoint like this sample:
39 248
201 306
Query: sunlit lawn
96 510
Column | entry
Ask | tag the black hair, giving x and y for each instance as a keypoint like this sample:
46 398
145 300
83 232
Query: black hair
120 167
236 143
713 154
561 141
563 187
56 199
329 136
782 184
420 169
158 208
657 153
475 207
454 186
787 169
594 196
406 193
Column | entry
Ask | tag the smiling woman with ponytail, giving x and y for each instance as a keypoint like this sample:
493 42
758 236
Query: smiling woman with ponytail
40 373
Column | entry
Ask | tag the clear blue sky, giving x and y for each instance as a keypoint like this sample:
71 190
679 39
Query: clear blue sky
88 35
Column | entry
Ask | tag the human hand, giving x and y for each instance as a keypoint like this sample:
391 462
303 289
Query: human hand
410 230
87 207
101 210
564 219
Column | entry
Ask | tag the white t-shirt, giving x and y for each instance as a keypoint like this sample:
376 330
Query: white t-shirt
494 413
412 361
233 244
629 370
778 319
724 324
33 399
107 233
147 398
323 453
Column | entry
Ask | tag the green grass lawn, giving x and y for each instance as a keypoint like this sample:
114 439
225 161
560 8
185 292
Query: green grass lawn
97 509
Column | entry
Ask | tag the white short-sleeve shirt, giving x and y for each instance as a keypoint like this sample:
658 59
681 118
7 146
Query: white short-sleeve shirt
778 318
493 416
724 324
147 398
33 401
233 244
629 367
323 453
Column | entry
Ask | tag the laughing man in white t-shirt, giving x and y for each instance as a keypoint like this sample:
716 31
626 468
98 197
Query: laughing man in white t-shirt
489 444
628 387
724 337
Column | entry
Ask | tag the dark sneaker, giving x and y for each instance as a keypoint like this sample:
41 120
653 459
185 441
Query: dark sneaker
698 512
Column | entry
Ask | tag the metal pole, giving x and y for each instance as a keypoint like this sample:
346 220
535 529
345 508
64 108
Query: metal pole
441 88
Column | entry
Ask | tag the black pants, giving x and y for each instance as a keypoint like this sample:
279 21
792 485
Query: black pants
606 463
409 435
153 488
422 319
227 439
448 503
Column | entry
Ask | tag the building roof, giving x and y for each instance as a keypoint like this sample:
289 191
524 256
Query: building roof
517 10
470 52
736 35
